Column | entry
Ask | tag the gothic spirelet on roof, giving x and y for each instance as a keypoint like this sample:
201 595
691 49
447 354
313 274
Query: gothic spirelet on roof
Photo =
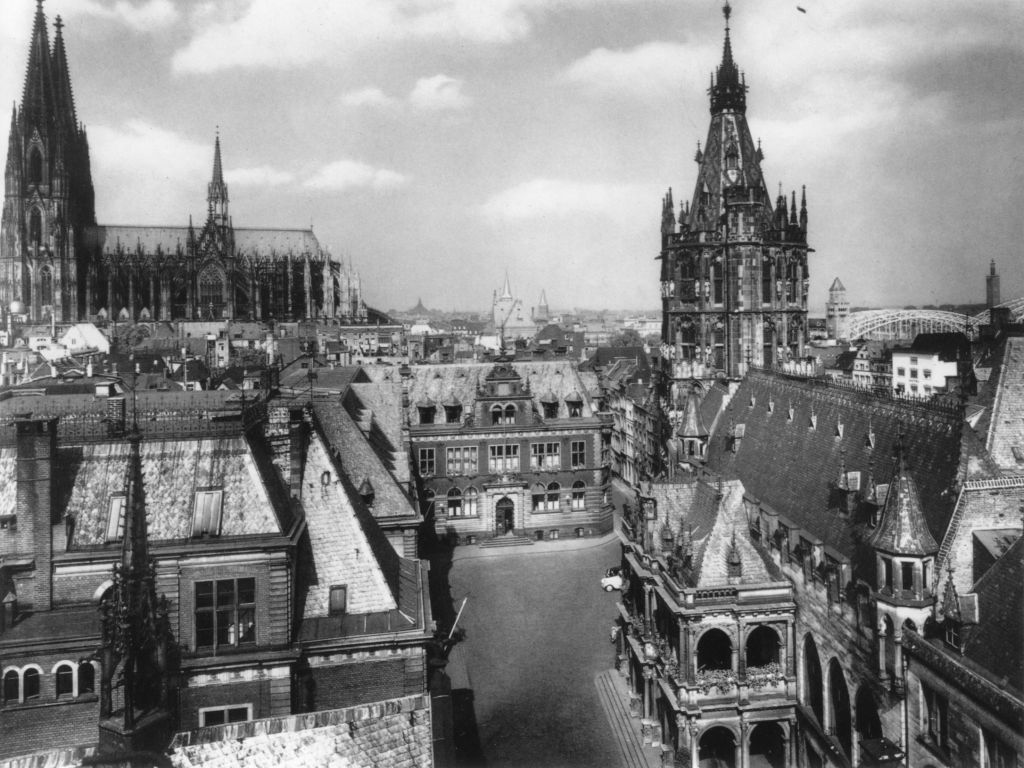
55 260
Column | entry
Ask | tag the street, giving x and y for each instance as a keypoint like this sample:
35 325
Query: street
536 633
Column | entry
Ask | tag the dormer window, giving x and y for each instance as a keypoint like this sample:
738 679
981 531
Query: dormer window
426 414
338 604
952 633
206 512
453 413
115 518
574 402
550 409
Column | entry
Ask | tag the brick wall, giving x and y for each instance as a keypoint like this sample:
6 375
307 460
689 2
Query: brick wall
258 693
346 685
49 725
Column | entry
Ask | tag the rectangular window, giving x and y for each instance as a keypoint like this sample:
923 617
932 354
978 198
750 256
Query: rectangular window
578 454
719 294
504 458
937 710
206 512
913 373
338 600
579 496
238 713
926 373
907 576
460 461
427 462
901 371
115 518
887 573
225 613
545 456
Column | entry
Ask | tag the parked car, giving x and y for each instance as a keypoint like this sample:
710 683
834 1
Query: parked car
612 579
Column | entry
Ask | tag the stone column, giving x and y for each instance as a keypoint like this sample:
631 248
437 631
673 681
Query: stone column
152 295
789 744
791 652
165 297
288 282
190 295
694 746
741 745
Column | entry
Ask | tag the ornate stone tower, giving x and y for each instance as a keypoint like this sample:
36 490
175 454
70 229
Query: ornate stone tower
733 268
48 193
991 286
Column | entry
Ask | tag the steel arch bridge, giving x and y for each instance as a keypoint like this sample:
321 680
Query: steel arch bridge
1016 307
888 324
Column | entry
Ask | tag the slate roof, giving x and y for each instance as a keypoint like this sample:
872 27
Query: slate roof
359 461
439 382
1006 425
169 240
793 467
950 347
341 551
172 471
996 643
901 529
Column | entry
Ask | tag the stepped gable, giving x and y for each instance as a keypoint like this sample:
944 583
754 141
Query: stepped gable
359 461
791 456
995 643
342 551
172 472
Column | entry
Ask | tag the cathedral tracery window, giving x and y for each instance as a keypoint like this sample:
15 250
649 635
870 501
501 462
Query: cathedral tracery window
35 166
35 226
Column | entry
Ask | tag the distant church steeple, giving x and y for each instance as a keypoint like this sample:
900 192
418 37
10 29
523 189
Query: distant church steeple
217 191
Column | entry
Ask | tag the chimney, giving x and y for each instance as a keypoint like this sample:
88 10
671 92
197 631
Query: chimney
33 506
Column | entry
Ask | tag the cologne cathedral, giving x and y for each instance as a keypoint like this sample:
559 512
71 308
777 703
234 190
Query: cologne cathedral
734 272
55 261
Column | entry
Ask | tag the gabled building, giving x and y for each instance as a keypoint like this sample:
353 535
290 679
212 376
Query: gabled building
282 593
509 449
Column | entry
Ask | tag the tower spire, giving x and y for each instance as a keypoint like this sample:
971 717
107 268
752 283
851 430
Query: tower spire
64 96
728 90
217 191
37 96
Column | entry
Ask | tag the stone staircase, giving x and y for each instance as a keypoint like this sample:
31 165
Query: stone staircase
507 541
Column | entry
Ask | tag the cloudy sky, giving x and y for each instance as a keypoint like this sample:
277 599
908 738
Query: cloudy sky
439 143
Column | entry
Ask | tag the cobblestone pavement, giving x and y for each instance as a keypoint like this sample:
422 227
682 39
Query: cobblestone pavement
628 732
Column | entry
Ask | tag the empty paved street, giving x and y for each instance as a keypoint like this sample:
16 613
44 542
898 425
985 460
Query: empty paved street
537 633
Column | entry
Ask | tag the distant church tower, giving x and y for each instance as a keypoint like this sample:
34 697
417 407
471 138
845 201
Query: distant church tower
734 270
541 314
837 311
992 287
48 192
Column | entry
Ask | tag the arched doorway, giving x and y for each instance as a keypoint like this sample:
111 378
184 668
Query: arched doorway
869 725
504 516
767 746
813 696
717 748
840 699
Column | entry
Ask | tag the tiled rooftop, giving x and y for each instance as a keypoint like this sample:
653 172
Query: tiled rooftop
792 453
172 470
360 462
1006 427
342 552
169 240
996 643
439 382
395 733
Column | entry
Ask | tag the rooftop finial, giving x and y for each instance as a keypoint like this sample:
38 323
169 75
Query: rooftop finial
58 23
727 12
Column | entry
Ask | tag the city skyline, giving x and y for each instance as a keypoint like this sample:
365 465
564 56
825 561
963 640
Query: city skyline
439 144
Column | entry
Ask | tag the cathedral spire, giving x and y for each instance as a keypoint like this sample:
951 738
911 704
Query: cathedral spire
803 208
217 191
728 89
37 96
506 290
64 96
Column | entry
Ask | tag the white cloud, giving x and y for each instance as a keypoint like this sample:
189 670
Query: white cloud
342 175
149 174
371 96
653 71
438 93
148 16
560 198
270 34
259 176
